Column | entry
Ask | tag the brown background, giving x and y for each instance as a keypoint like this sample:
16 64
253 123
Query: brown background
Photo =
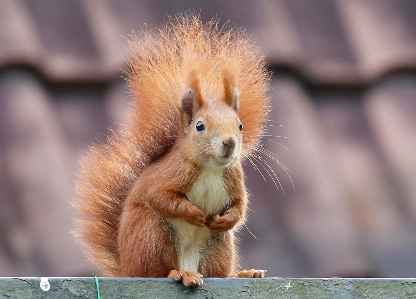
344 91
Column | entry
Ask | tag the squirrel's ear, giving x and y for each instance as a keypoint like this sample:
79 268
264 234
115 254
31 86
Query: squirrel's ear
188 105
231 93
192 100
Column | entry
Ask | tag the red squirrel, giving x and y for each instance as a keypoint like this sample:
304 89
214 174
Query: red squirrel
166 195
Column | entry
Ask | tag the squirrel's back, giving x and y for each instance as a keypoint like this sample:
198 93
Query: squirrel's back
158 76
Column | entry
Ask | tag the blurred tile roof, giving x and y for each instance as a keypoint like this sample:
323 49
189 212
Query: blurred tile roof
344 90
327 42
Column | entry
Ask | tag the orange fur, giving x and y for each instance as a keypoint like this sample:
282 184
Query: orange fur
130 188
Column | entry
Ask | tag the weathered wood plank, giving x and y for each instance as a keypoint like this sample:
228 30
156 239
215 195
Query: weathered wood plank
334 288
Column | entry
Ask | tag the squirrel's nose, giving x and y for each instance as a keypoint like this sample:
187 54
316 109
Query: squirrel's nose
229 143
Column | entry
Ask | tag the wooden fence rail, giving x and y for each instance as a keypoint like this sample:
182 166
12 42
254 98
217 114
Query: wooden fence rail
106 288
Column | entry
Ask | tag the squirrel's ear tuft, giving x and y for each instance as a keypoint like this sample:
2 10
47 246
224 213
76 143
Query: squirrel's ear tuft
192 100
231 93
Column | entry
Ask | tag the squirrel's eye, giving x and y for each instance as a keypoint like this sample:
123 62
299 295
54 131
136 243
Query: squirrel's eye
241 127
200 126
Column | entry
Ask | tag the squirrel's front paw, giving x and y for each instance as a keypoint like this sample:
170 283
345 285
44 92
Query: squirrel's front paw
197 218
190 213
188 278
218 224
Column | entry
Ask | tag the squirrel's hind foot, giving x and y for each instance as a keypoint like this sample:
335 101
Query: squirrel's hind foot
251 273
188 278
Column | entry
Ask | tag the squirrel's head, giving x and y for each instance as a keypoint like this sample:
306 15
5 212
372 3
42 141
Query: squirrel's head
212 127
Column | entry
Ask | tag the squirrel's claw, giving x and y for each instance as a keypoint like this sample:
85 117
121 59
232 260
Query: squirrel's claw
188 278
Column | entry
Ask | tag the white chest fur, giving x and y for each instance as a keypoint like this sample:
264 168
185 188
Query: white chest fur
208 193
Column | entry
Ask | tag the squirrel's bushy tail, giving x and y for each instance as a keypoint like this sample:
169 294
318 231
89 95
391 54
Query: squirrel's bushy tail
158 77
